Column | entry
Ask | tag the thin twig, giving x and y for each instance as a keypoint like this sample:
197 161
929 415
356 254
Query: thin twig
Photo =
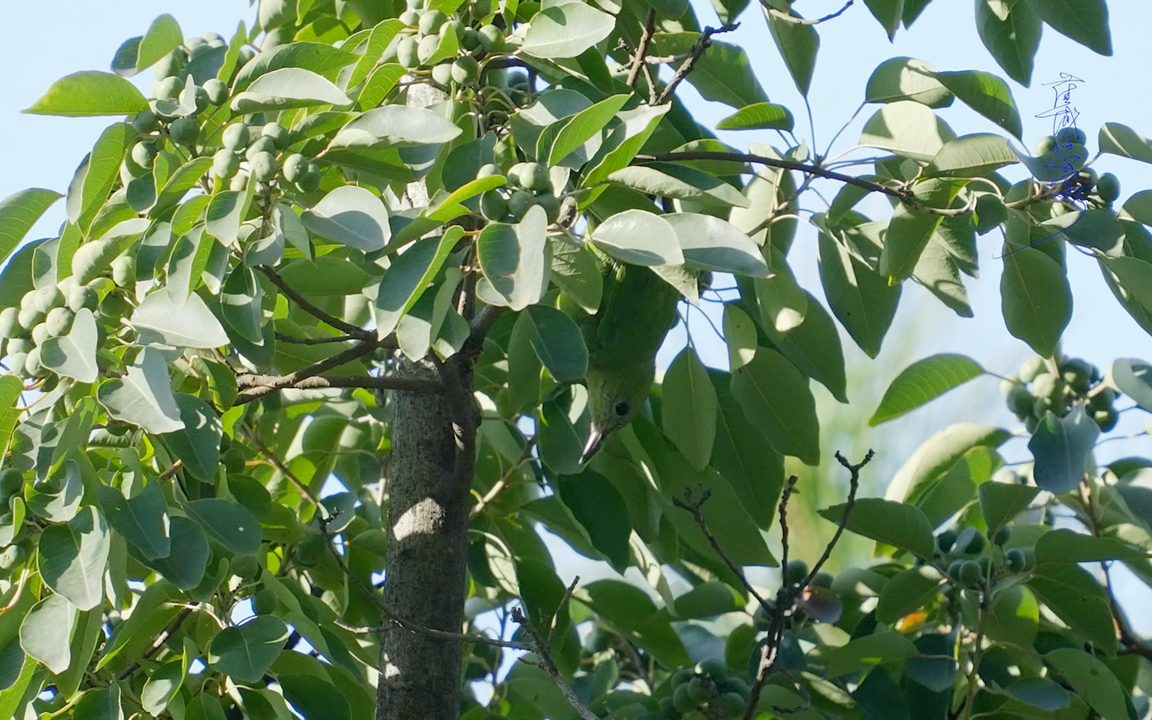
311 309
785 17
537 645
256 386
314 341
642 49
159 641
499 485
854 485
694 56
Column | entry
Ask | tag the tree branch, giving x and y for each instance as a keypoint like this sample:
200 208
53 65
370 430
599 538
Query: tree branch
314 341
537 645
306 306
159 641
642 48
785 17
694 56
256 386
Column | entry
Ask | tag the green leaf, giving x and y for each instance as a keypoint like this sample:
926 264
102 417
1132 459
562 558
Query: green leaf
1122 140
902 526
561 443
514 260
814 348
1085 21
240 304
228 522
860 297
198 444
971 156
760 116
583 126
58 500
189 324
1134 379
908 129
910 231
776 397
574 270
72 558
19 212
1036 299
924 381
599 507
184 566
708 599
223 215
714 244
321 58
783 303
680 183
1062 448
888 13
245 652
986 94
285 89
1014 617
1063 545
87 94
939 453
638 237
739 336
352 216
557 341
798 44
907 591
1011 32
1074 595
1040 693
313 697
724 74
143 397
46 632
905 78
396 125
162 685
623 142
142 519
101 704
410 274
565 31
1000 502
867 651
688 410
74 355
163 36
1091 679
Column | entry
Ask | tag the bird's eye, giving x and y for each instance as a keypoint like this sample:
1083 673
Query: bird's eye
622 409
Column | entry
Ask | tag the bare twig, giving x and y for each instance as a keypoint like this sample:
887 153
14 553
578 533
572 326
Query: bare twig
256 386
642 48
853 487
537 645
689 63
159 641
171 472
311 309
314 341
785 17
499 485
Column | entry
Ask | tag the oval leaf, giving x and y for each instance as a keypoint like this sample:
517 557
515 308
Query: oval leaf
924 381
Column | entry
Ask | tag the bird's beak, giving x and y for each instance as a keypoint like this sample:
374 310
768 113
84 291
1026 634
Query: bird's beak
595 440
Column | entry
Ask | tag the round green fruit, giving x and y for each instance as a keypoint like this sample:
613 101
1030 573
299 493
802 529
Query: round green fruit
667 709
168 89
795 572
261 144
682 676
310 182
144 154
11 482
493 206
184 131
520 202
264 166
455 27
516 172
310 550
239 182
12 556
10 322
124 271
225 164
21 346
976 544
1015 560
682 701
970 576
698 690
1002 536
48 297
30 318
1007 384
32 364
246 567
1105 419
1101 400
83 296
442 74
427 47
410 18
1078 374
534 177
1045 145
294 167
431 21
716 669
823 580
278 133
465 70
59 321
491 38
487 170
1047 387
1108 187
16 361
1020 401
265 602
40 333
732 704
216 91
551 205
234 461
1032 367
171 63
407 53
246 55
469 39
235 137
145 122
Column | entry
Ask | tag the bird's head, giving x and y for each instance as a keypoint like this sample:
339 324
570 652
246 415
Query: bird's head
613 400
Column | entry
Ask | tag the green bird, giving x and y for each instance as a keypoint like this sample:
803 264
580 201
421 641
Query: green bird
637 309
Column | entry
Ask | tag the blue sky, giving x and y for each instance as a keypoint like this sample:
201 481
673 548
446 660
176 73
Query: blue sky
43 152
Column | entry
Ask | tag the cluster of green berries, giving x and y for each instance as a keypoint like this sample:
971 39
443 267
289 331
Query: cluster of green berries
973 555
705 691
261 149
795 573
1103 189
1042 386
425 31
44 313
528 185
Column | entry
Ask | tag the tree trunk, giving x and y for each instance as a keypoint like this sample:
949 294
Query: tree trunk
427 516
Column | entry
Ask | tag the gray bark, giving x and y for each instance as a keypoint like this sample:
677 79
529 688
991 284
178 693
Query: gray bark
427 515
